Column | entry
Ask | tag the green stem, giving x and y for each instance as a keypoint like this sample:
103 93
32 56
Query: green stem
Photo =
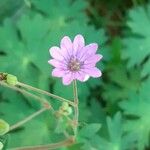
57 145
76 109
27 119
45 93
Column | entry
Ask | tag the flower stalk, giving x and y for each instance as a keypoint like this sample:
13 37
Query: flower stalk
26 93
46 106
76 109
27 119
45 93
66 142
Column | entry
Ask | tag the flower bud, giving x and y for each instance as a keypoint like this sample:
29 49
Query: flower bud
1 145
11 79
65 109
4 127
3 76
68 111
65 106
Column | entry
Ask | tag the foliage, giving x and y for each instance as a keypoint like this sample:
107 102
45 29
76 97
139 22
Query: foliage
137 48
114 110
140 125
117 139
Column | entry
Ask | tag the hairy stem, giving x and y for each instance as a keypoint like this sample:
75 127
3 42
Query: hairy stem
63 143
70 139
27 119
45 93
43 101
76 109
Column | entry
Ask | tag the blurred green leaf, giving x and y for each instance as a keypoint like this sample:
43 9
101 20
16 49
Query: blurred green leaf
90 130
62 8
9 8
88 136
140 126
27 139
137 47
121 82
117 139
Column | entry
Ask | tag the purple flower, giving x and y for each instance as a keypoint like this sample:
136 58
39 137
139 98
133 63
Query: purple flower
74 60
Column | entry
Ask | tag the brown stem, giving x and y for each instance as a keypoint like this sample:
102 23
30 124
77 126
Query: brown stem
66 142
43 101
45 93
27 119
63 143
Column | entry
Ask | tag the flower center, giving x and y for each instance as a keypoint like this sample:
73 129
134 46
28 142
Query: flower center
74 65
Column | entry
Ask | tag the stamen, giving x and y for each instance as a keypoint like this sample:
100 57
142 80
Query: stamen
74 65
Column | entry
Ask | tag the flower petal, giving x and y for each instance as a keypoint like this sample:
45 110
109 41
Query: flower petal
78 43
81 76
56 53
93 59
57 64
58 72
87 51
66 45
68 78
93 72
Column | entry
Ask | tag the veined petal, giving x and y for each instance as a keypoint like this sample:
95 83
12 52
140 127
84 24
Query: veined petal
58 72
57 63
66 45
56 53
87 51
78 43
81 76
93 59
68 78
90 62
87 66
93 72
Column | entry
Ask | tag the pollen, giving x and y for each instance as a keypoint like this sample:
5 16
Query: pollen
74 65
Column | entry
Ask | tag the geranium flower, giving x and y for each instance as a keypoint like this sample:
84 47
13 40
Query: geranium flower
75 60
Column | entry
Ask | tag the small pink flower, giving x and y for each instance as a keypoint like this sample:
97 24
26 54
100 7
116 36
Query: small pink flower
74 60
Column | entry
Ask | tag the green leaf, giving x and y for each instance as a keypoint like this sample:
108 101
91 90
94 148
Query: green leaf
61 9
137 47
44 124
90 130
61 125
4 127
121 82
146 68
117 139
10 7
138 105
88 136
